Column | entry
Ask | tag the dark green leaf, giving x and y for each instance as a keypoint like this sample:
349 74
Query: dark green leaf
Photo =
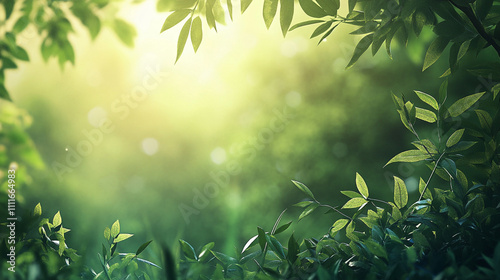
9 7
276 246
293 249
434 51
484 119
461 105
286 15
224 259
361 47
329 6
188 250
312 9
4 94
174 18
181 43
283 228
143 247
400 193
262 238
269 11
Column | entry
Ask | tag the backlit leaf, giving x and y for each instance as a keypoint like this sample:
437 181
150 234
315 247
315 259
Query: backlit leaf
174 18
461 105
409 156
455 137
308 211
427 99
312 9
269 11
188 250
196 33
434 51
286 14
337 226
361 185
361 47
400 193
354 203
183 38
304 189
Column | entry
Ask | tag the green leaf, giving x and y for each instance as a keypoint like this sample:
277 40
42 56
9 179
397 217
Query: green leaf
321 29
361 47
377 249
303 203
400 193
196 33
9 7
57 220
174 18
305 23
450 166
443 92
224 259
143 247
188 250
361 185
21 24
269 11
434 51
427 99
304 189
283 228
425 115
262 238
210 14
121 237
38 210
245 4
293 249
183 38
115 229
312 9
204 251
426 146
461 105
351 194
461 146
421 186
107 233
337 226
230 9
409 156
484 119
354 203
329 6
4 94
308 211
455 137
276 246
125 31
286 15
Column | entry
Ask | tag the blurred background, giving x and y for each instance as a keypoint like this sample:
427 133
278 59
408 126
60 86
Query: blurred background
205 149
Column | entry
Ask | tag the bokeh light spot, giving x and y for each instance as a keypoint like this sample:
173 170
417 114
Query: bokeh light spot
150 146
218 155
96 115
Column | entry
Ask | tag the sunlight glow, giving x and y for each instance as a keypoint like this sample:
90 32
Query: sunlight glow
150 146
96 115
218 155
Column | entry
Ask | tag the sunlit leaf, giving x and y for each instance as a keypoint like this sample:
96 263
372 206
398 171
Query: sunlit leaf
321 29
249 243
107 233
115 229
330 6
337 226
461 105
427 99
400 193
269 11
174 18
303 203
409 156
361 185
4 94
121 237
245 4
455 137
304 189
57 220
125 31
38 210
425 115
308 211
204 251
484 119
421 186
286 14
181 43
434 51
351 194
196 33
354 203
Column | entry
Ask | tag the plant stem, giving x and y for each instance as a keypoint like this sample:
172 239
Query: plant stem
469 12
